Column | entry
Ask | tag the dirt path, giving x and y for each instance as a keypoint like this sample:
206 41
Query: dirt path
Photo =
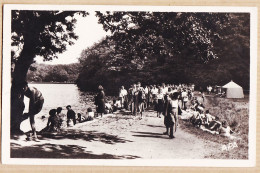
115 136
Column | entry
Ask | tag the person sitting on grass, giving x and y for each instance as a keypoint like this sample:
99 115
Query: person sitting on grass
198 106
215 125
70 115
196 119
225 129
208 118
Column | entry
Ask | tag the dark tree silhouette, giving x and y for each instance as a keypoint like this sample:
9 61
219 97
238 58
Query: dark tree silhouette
43 33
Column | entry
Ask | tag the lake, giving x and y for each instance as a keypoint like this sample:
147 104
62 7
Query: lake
58 95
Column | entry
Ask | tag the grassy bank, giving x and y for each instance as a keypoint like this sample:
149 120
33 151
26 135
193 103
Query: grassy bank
236 113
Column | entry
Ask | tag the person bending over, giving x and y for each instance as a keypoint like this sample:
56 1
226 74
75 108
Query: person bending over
35 104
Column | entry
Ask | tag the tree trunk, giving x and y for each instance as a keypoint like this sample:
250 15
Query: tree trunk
17 95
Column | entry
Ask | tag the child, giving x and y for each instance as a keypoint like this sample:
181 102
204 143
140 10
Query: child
225 130
79 117
53 124
62 118
90 112
70 115
108 108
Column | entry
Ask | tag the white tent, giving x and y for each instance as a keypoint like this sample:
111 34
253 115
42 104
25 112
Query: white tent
234 90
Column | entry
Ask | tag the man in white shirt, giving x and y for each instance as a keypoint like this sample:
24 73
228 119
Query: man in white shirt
122 96
210 89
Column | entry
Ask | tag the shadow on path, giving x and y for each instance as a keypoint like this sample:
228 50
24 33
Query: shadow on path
50 150
86 135
150 135
76 134
149 125
60 151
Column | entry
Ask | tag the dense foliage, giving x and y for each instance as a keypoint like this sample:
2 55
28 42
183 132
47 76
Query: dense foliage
42 33
151 47
53 73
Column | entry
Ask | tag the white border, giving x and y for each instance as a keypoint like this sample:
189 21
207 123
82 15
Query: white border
6 86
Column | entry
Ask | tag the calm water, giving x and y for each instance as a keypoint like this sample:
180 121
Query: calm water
58 95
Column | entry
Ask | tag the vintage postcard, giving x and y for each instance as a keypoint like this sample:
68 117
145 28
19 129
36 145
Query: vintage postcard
129 85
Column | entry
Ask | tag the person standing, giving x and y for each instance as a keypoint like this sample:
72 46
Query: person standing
167 109
131 97
35 105
100 101
122 96
160 102
154 92
210 89
171 114
138 99
146 102
184 96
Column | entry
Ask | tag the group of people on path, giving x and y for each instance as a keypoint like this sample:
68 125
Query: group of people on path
167 100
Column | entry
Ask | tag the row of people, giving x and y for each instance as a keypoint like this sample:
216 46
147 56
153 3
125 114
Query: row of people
139 98
58 120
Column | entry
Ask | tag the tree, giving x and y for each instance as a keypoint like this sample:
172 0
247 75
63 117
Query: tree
155 47
42 33
154 32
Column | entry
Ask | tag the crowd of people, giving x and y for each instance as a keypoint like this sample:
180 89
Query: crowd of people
168 100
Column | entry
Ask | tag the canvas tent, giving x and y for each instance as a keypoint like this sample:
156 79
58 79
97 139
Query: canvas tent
233 90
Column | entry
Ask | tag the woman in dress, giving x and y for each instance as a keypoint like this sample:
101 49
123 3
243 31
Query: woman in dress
160 103
100 101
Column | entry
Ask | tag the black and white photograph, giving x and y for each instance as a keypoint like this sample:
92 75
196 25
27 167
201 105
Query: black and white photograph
129 85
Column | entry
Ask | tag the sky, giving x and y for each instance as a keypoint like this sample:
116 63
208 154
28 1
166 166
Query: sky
89 32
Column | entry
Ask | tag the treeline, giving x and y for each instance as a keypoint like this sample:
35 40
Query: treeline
53 73
200 48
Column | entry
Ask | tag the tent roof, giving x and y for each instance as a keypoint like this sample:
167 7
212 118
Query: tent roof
231 84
